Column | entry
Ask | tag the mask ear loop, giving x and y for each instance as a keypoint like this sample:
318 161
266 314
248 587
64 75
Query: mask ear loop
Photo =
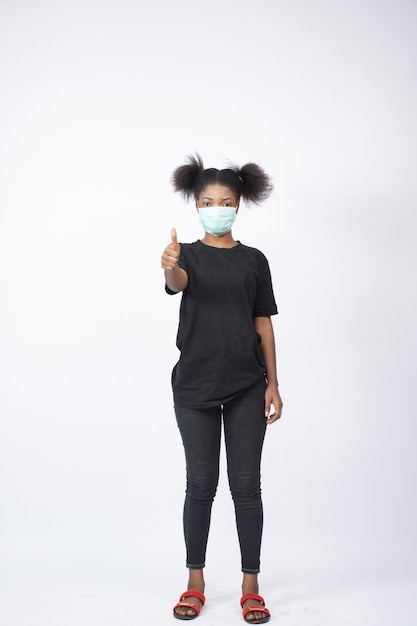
237 205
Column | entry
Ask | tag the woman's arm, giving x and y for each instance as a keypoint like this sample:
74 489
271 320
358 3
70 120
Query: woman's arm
176 278
263 326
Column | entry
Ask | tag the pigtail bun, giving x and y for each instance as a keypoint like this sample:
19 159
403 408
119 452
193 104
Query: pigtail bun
184 178
256 184
250 182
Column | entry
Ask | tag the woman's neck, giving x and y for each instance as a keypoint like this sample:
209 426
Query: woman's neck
222 241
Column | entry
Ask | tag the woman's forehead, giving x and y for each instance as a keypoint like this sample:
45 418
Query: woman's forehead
215 190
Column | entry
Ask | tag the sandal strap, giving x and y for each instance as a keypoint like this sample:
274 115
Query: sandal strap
251 596
188 605
257 609
193 593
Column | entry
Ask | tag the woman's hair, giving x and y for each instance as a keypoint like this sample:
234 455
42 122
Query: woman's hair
249 182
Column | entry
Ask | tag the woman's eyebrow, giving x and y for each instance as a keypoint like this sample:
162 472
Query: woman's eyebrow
208 198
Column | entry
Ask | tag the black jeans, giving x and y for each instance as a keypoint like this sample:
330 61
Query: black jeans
244 432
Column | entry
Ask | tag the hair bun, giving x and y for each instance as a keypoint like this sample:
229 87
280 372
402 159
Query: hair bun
249 182
256 184
185 177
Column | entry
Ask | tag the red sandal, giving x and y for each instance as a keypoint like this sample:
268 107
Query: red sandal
257 608
190 605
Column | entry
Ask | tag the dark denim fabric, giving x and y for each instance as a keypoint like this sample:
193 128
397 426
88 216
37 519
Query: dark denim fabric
244 431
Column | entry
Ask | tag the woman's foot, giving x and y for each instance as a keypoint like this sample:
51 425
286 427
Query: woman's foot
195 582
250 586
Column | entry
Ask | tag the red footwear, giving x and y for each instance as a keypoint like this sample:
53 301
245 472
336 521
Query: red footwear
257 608
190 605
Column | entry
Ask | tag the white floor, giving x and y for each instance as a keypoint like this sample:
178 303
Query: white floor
67 592
87 602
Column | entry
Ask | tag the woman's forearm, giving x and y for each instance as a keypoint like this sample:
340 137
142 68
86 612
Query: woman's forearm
263 326
176 279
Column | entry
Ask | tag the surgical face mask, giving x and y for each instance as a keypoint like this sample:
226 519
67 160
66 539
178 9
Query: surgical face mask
217 220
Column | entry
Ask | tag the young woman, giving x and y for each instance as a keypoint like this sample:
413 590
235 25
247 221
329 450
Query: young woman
226 372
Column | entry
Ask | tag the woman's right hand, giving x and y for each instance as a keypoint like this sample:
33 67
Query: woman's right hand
171 254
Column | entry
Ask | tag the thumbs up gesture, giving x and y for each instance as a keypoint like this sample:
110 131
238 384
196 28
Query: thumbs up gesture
171 254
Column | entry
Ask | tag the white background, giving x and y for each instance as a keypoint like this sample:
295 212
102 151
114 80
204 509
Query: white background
99 102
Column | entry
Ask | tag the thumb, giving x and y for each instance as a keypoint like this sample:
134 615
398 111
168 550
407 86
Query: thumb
268 407
174 240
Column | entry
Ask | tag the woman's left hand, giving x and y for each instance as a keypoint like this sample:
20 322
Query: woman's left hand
273 404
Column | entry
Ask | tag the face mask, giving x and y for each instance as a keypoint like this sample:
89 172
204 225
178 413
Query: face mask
217 220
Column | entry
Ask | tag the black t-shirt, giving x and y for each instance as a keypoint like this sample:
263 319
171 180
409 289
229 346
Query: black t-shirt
220 352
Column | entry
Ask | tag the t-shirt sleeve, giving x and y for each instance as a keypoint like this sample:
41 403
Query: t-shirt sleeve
183 263
265 304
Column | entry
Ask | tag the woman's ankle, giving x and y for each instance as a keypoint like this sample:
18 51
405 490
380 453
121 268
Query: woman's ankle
196 579
250 584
